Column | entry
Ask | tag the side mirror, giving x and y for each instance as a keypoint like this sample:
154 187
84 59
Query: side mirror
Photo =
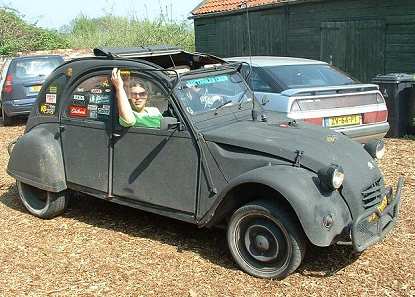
264 100
167 123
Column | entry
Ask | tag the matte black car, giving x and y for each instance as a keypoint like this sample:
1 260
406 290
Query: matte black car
23 80
216 160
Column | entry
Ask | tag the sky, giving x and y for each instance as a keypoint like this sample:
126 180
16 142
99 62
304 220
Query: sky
53 14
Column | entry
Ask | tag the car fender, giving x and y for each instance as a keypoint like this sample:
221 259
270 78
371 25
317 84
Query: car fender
300 188
36 159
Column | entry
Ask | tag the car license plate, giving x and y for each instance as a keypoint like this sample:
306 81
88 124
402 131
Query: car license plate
354 119
35 89
381 207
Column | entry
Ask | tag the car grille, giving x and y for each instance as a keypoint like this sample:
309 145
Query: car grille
373 195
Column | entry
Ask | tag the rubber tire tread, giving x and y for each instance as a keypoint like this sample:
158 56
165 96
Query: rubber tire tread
286 217
54 207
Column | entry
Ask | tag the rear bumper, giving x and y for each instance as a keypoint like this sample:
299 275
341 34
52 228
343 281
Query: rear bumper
365 233
18 107
364 134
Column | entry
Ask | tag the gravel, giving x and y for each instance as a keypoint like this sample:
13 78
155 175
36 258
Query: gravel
97 248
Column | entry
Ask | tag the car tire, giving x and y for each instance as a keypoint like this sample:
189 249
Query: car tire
7 121
41 203
266 241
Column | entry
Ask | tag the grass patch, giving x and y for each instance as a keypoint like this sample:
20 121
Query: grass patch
114 31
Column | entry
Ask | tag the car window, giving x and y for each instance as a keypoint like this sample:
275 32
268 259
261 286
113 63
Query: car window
203 94
258 84
36 67
157 98
311 75
91 99
256 80
50 96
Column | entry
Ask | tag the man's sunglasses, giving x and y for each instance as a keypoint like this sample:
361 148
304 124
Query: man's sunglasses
139 94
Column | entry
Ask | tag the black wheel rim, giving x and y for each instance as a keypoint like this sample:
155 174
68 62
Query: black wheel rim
263 243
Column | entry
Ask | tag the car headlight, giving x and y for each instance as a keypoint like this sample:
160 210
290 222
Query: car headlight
376 149
331 177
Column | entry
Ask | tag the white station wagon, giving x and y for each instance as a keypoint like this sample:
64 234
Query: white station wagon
319 94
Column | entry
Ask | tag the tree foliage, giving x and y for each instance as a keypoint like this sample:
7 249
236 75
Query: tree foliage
17 35
84 32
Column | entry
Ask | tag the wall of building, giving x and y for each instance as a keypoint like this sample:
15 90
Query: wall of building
362 37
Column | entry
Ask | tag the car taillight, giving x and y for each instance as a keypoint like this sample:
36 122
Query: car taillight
314 121
375 117
8 84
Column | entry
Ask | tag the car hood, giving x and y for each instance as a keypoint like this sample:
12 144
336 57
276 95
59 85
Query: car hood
321 147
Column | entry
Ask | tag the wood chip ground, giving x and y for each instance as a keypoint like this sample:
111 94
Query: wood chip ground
101 249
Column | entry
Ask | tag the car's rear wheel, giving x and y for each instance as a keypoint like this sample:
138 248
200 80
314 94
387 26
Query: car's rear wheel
265 240
7 121
41 203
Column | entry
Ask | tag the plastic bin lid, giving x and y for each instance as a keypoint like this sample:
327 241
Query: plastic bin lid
394 78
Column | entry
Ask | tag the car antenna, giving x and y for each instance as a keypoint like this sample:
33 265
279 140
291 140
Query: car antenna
243 5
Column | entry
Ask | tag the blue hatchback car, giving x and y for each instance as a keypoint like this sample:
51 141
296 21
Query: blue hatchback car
23 79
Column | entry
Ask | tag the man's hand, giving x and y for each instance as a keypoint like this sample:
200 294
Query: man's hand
116 79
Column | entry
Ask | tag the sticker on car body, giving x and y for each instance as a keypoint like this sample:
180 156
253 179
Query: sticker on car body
47 108
96 91
104 110
50 98
100 99
93 111
78 97
206 80
53 89
78 111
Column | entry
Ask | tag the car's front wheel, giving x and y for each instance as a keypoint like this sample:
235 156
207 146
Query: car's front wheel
41 203
265 240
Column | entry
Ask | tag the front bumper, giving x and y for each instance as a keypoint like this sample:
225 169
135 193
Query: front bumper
366 231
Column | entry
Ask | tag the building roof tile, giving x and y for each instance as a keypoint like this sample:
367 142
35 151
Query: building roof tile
215 6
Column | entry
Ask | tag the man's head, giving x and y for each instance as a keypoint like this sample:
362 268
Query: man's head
138 95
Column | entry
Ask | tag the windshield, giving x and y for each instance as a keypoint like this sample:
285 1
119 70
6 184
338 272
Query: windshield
311 75
33 67
203 94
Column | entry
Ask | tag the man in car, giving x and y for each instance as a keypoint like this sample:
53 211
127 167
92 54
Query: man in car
133 111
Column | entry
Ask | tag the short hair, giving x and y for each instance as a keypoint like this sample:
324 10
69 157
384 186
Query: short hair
138 83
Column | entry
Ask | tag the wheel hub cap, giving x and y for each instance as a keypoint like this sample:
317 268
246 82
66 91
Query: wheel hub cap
261 242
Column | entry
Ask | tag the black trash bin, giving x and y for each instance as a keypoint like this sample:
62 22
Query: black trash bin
398 89
411 109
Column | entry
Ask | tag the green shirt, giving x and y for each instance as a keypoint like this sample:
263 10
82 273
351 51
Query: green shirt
149 118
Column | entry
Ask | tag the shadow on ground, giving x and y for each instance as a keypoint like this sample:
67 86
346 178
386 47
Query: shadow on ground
17 121
208 243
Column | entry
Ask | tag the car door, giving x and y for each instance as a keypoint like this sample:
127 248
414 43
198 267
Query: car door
85 132
152 166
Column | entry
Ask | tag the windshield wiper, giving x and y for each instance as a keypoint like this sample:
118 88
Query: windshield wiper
222 105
